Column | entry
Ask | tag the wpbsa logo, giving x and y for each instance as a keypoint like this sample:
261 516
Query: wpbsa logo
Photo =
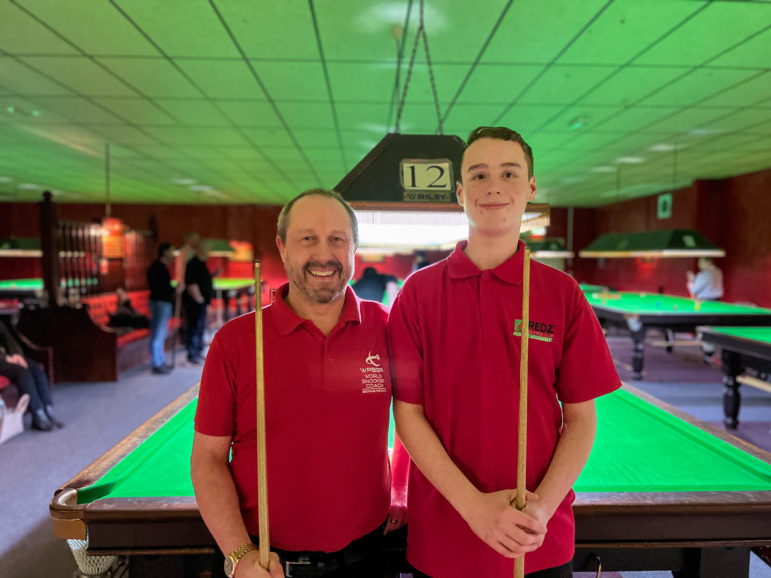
372 375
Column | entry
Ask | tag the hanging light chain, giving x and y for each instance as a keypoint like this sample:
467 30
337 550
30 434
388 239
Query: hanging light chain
420 33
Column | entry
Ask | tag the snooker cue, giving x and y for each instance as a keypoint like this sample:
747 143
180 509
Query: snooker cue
519 563
262 469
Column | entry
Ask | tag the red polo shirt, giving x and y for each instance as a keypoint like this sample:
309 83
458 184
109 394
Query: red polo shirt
327 405
454 349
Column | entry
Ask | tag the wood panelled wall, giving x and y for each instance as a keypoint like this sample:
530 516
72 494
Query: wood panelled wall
734 213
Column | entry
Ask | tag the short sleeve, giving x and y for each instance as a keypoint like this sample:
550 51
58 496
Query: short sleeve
216 411
405 348
586 368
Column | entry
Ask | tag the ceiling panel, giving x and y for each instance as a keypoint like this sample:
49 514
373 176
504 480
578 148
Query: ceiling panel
181 28
80 74
712 31
22 33
174 87
71 20
625 30
19 78
527 34
697 85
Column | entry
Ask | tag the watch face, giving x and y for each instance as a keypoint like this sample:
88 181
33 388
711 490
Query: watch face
229 567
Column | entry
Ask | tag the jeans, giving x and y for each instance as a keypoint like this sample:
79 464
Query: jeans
160 312
195 325
31 380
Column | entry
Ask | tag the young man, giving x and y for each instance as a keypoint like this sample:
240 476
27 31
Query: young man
454 338
161 306
327 396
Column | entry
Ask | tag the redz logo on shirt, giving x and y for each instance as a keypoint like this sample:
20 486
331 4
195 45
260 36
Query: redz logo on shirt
372 379
536 330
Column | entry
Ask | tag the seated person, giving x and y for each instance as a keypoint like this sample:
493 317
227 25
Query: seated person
30 378
373 286
126 316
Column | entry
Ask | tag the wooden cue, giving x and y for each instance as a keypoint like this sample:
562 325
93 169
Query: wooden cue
262 469
519 563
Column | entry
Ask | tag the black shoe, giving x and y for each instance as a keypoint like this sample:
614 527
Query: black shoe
41 422
50 413
161 370
195 359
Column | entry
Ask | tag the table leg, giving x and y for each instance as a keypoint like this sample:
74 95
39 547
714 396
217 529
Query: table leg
638 353
732 400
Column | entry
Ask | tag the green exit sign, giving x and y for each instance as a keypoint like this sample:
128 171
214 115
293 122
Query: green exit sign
664 206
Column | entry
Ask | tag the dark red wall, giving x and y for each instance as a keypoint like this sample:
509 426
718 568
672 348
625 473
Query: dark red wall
732 213
253 224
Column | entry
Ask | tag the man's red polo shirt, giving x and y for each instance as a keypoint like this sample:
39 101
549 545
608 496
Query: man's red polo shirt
455 349
327 405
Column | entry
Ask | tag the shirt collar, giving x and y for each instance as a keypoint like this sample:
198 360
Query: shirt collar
287 320
510 271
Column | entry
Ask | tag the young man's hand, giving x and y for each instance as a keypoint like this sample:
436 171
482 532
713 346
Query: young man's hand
249 566
505 529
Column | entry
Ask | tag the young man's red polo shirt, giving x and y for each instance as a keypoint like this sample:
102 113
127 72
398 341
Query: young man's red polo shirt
327 405
455 349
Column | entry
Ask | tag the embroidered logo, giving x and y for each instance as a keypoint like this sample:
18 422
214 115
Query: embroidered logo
372 375
373 360
536 330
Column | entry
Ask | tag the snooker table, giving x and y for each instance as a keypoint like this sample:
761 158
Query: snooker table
23 289
741 348
660 491
638 312
227 288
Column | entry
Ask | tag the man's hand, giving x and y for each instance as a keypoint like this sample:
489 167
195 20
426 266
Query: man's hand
16 359
249 566
506 530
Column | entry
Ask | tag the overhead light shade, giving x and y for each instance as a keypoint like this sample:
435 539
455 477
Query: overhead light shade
668 243
549 248
403 192
20 247
219 247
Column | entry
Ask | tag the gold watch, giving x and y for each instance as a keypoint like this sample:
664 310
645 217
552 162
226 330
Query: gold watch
232 560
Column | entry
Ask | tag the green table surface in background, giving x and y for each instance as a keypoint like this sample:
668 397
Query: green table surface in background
651 303
762 334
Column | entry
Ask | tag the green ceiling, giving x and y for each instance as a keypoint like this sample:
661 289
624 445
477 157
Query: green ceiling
255 100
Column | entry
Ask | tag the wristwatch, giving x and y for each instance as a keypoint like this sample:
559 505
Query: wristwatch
232 561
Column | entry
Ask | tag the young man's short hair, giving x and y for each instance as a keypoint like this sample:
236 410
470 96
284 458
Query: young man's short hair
283 217
503 133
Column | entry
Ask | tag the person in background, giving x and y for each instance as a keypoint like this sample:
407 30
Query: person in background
706 285
374 286
161 306
455 337
327 400
30 378
197 296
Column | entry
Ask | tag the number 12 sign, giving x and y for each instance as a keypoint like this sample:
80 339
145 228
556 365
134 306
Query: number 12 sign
427 180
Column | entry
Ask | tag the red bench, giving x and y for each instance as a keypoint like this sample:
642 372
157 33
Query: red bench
85 347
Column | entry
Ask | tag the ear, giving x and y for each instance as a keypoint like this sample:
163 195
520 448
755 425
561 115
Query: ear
459 193
531 184
281 248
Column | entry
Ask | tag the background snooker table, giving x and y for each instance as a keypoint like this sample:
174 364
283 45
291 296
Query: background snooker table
658 493
741 348
639 312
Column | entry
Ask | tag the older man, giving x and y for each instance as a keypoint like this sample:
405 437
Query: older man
328 393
